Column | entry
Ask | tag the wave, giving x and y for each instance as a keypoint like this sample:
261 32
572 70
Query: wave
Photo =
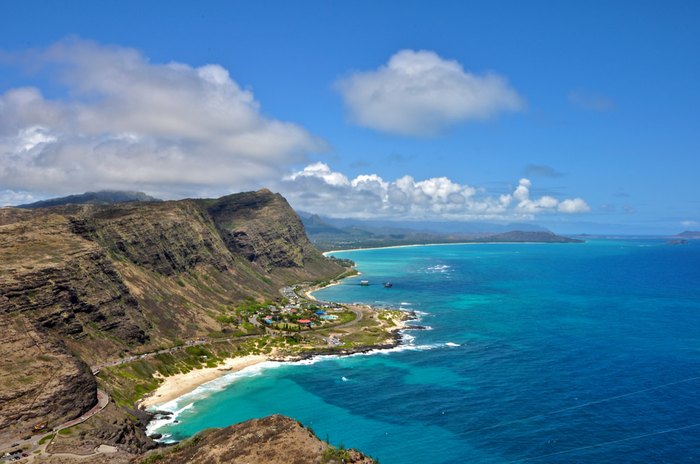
163 420
439 268
207 389
215 385
452 344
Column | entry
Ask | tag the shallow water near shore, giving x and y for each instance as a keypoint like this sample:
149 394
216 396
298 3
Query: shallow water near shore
547 352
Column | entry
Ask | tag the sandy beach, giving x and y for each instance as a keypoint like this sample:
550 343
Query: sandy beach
177 385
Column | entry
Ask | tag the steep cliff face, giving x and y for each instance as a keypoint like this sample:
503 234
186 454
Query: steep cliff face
263 228
41 380
55 290
96 282
167 238
65 285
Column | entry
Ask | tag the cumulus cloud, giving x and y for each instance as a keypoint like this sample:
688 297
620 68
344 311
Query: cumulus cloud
319 189
129 123
575 205
419 93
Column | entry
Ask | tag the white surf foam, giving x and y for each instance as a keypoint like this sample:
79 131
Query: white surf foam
171 406
439 268
187 401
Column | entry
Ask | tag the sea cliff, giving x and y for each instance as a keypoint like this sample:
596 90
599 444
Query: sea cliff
83 285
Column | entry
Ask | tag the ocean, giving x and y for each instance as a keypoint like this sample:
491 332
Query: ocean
549 353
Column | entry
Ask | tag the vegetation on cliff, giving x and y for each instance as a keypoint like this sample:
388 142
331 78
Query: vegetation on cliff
83 284
271 440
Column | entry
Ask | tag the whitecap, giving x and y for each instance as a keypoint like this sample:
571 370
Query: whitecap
171 406
344 379
452 344
441 268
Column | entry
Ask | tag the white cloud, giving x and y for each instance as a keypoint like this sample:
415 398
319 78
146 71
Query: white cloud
576 205
321 171
129 123
689 224
11 197
419 93
319 189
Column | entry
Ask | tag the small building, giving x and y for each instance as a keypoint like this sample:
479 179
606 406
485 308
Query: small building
320 312
305 322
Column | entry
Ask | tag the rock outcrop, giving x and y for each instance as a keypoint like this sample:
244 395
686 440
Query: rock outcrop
271 440
259 226
41 380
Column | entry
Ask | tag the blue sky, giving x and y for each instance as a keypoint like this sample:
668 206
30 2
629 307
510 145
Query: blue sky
595 104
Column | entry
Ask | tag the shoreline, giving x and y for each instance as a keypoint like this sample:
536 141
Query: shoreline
325 253
309 292
179 385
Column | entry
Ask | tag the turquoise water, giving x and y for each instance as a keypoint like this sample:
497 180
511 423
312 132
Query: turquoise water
537 353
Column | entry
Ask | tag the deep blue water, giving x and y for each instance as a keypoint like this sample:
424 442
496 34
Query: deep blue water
545 353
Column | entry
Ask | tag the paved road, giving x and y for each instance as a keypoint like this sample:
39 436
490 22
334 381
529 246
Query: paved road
199 341
207 341
33 442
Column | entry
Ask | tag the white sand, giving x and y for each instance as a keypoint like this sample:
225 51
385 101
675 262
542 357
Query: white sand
177 385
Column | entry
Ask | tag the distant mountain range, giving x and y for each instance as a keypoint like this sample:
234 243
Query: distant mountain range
340 233
690 234
333 234
103 197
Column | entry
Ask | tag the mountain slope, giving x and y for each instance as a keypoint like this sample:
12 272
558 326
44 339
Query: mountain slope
103 197
84 284
690 234
527 236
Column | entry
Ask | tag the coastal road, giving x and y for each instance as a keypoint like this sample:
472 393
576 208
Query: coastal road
207 341
196 342
32 443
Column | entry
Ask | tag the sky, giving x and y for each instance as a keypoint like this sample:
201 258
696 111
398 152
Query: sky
580 116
